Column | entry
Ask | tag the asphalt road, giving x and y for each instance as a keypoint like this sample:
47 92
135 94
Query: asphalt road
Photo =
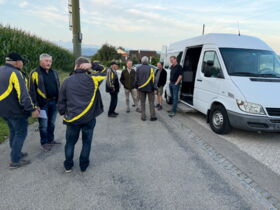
134 165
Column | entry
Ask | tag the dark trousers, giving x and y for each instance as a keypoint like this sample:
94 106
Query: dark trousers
113 103
72 136
47 126
151 97
174 90
18 132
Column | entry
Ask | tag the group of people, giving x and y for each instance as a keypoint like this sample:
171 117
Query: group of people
78 99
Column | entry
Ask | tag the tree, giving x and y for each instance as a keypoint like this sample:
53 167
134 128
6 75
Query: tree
155 60
106 54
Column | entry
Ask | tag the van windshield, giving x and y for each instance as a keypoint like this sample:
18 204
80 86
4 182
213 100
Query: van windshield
248 62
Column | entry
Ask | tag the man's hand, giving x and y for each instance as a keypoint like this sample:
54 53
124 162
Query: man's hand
36 113
85 66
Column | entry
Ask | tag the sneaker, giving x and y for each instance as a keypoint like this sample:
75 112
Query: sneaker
68 170
54 143
46 147
172 114
138 110
153 119
21 163
83 170
24 154
112 115
143 119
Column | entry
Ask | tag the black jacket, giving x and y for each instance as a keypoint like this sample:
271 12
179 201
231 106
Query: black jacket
37 87
128 79
79 98
145 78
162 79
112 82
14 97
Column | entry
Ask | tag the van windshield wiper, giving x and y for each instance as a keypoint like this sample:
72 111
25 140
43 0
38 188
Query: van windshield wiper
244 74
269 75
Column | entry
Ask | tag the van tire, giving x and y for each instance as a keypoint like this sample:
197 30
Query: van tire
218 119
168 98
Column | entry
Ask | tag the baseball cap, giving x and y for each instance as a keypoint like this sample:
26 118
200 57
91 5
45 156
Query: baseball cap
114 63
15 57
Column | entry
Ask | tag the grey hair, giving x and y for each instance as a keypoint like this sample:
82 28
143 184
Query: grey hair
45 55
145 60
81 60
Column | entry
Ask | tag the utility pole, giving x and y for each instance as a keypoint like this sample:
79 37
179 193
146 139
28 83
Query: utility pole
75 26
203 29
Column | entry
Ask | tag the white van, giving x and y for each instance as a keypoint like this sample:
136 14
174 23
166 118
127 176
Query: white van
234 80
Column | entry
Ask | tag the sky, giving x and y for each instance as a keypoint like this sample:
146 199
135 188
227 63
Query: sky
146 24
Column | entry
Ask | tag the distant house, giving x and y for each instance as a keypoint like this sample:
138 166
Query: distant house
138 54
124 54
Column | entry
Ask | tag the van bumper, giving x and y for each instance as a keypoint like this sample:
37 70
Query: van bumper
254 123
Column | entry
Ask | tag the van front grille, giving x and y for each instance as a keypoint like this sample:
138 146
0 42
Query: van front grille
273 112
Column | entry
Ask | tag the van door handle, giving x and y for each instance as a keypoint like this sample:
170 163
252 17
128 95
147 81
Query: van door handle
199 80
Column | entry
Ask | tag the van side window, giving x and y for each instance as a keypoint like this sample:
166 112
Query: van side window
211 65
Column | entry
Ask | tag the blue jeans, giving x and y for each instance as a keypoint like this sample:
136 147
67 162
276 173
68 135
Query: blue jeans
18 132
72 136
47 126
174 90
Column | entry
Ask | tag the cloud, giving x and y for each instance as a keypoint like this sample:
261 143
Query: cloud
23 4
2 1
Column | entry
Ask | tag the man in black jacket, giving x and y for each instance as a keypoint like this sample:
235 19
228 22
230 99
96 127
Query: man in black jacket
15 106
160 80
113 87
80 102
145 83
44 90
128 81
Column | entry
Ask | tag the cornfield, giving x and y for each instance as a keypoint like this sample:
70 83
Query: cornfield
30 46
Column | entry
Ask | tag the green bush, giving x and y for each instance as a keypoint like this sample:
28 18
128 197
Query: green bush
30 46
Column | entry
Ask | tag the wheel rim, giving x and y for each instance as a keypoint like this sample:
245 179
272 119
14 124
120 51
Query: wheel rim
218 119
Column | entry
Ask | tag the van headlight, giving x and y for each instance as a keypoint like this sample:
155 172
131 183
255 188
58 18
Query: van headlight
250 107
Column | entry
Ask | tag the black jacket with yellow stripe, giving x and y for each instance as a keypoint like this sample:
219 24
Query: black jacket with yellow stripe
79 97
37 87
15 100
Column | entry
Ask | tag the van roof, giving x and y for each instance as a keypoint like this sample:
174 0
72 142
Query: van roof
221 40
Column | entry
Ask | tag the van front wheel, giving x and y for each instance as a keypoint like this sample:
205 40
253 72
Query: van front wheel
219 121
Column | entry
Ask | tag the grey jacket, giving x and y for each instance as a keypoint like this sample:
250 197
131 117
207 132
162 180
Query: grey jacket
145 78
79 98
14 97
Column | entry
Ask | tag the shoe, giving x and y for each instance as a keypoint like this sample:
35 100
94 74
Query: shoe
138 110
83 170
169 111
153 119
68 170
21 163
46 147
115 113
133 105
24 154
54 143
159 108
172 114
143 119
112 115
127 111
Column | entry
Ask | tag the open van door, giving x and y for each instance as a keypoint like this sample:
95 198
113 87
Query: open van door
209 79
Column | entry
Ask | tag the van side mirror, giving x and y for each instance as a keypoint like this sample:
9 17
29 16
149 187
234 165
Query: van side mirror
207 72
210 63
